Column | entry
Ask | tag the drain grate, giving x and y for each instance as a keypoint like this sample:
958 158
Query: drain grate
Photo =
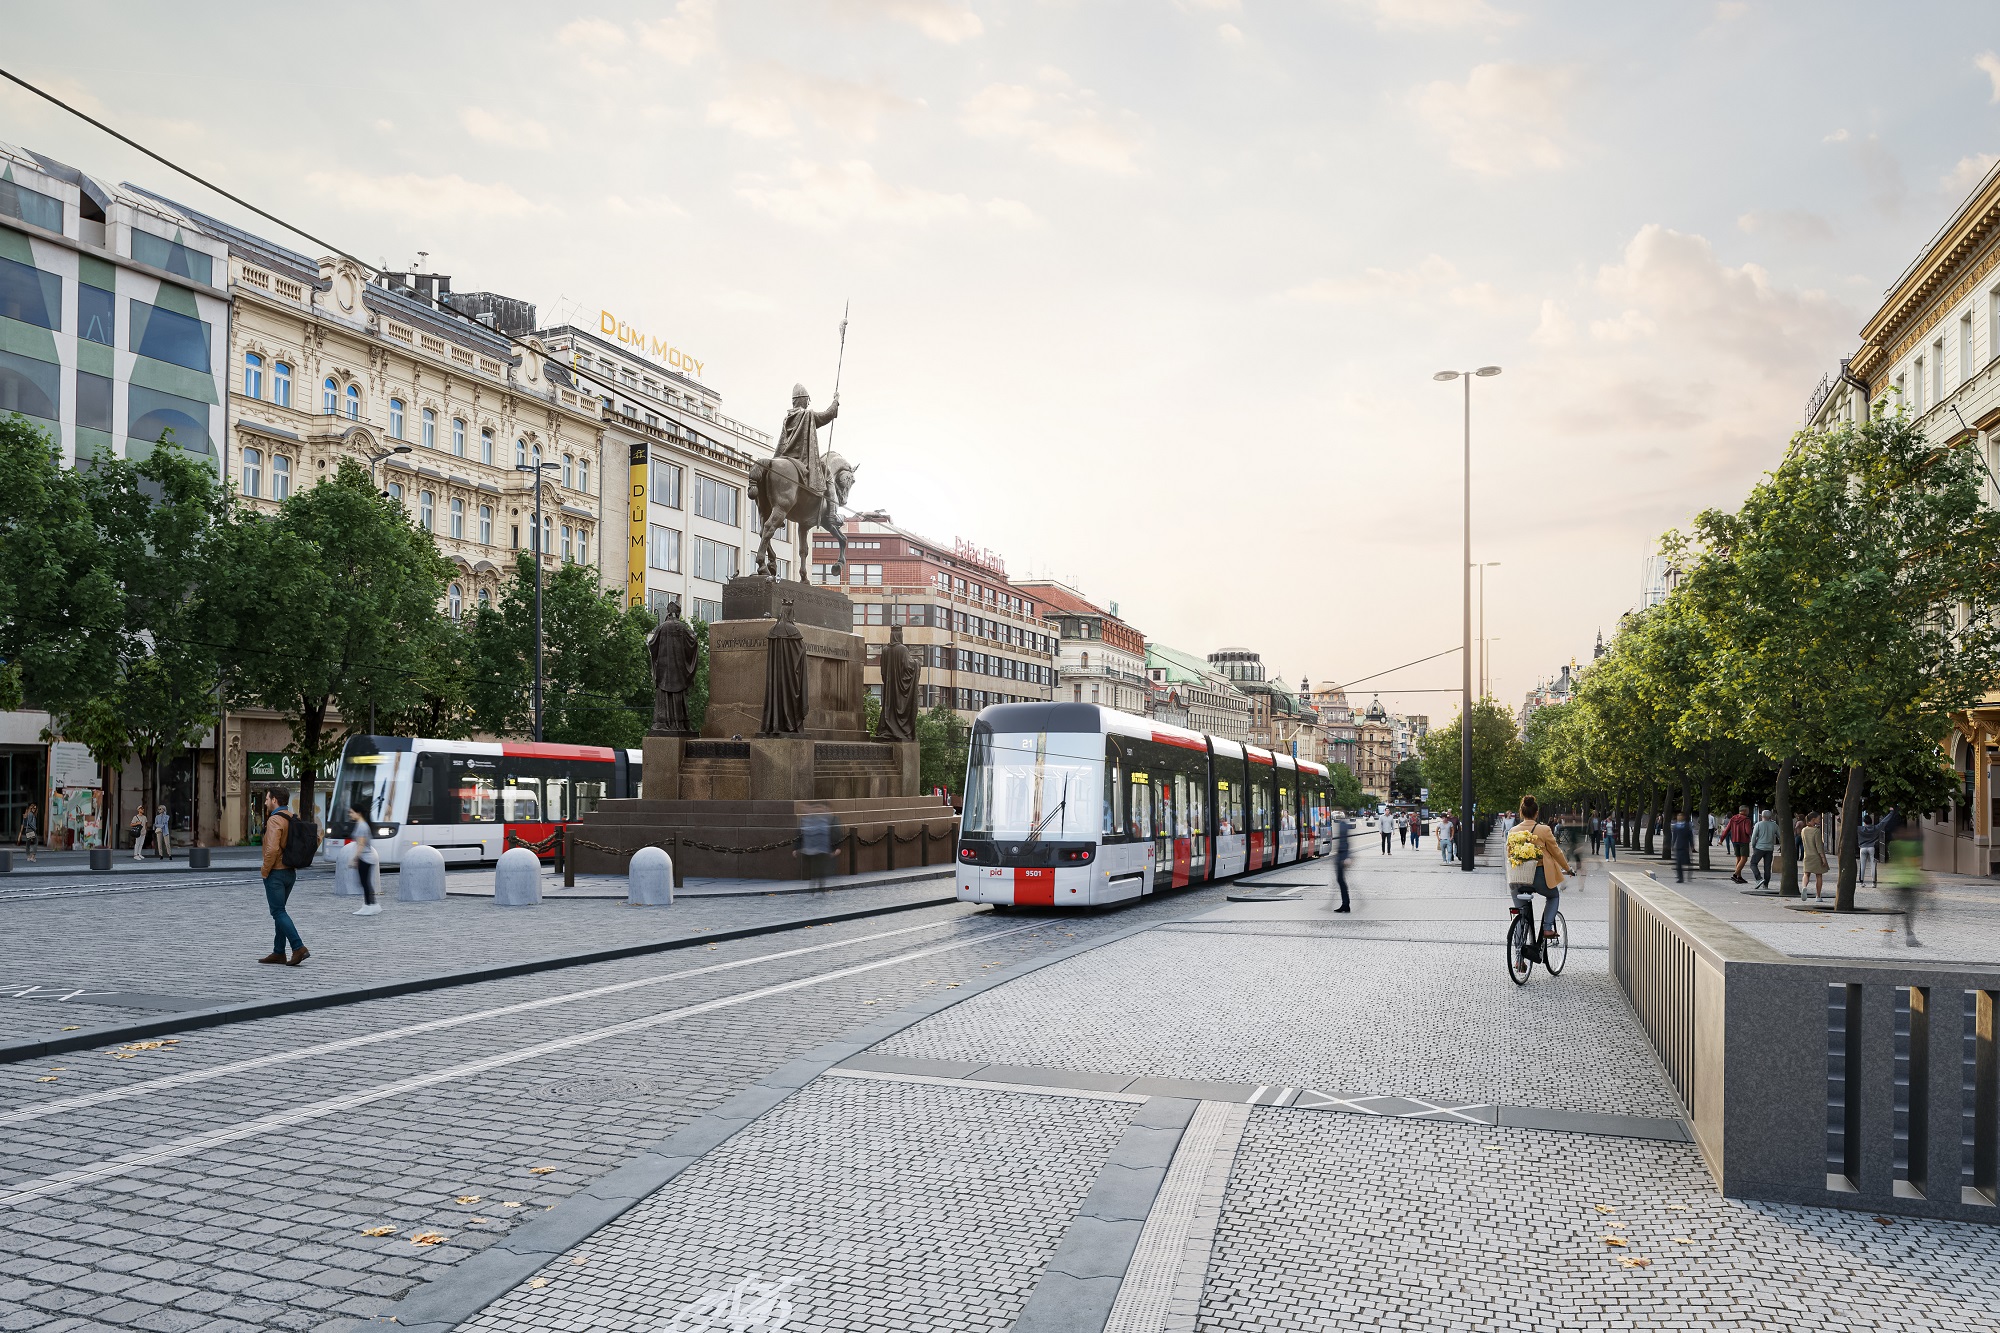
592 1090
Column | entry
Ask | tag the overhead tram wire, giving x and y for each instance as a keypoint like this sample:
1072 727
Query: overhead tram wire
130 142
1394 669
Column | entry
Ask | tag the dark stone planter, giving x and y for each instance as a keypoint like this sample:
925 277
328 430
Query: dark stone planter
6 862
197 858
100 858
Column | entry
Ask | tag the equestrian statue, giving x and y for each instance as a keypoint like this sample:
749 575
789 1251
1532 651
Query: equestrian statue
799 484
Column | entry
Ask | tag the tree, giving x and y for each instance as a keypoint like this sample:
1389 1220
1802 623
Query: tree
436 700
942 743
1500 771
1407 783
1347 794
61 618
597 680
325 606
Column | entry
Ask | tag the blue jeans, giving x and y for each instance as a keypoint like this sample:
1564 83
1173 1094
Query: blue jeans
1525 899
1760 866
277 890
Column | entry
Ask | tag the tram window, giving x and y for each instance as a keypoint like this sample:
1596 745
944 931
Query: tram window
473 794
1287 819
1141 804
521 801
1197 808
1114 788
585 796
1183 818
423 791
1229 806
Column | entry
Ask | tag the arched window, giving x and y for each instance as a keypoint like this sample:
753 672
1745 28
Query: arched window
455 601
520 453
329 396
430 431
1086 661
458 519
395 418
486 525
583 475
424 506
354 402
534 537
253 472
537 460
253 375
281 384
396 491
549 535
569 471
281 477
486 446
583 548
458 436
485 599
567 548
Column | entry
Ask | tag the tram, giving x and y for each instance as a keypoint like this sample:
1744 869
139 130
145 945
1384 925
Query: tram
471 800
1076 805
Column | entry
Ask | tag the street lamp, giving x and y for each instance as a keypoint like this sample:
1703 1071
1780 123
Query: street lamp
376 459
535 546
1465 653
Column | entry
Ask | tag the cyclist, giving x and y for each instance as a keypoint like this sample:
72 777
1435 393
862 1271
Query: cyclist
1530 842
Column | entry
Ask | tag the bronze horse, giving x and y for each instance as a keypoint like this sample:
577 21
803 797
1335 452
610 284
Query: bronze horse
778 491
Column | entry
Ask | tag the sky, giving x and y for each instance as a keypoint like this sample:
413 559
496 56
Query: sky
1147 296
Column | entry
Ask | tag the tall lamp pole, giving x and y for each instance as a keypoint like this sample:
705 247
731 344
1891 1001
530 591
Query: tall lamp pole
1465 809
1485 683
535 546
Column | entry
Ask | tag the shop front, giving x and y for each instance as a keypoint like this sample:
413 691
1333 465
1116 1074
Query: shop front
269 771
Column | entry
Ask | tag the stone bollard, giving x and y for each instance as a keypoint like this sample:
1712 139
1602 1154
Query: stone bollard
100 858
650 880
346 879
198 858
421 879
517 880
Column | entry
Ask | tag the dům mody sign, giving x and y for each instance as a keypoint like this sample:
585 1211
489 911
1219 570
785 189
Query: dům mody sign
618 330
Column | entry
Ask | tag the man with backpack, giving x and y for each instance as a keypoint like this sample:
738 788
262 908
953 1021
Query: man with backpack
289 844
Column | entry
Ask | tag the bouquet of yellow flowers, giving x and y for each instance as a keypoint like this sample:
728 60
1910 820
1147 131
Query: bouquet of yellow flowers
1522 847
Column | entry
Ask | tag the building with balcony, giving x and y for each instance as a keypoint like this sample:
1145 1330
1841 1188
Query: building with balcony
1103 659
1336 720
1375 750
981 639
1279 719
1187 691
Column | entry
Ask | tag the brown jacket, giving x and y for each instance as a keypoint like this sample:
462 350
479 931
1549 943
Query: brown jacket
274 839
1554 863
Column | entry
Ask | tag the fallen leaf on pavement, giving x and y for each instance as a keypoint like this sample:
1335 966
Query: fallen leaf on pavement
427 1238
545 1170
953 985
585 1261
468 1198
1676 1207
1617 1242
379 1231
871 1002
538 1282
71 1028
510 1203
151 1045
1606 1208
48 1078
1683 1240
124 1055
482 1219
1636 1263
1885 1221
1490 1147
1616 1226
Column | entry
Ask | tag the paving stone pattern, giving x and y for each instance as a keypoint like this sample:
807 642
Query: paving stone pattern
1341 1222
1346 1015
900 1205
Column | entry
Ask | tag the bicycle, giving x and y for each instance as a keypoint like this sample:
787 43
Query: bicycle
1524 950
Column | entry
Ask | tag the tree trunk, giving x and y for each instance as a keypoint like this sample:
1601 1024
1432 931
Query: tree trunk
312 722
1670 805
1850 840
1705 813
1646 822
1781 814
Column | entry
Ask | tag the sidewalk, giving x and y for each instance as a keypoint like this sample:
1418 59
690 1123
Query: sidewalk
78 863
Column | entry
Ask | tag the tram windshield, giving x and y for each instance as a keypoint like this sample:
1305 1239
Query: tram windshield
368 781
1043 786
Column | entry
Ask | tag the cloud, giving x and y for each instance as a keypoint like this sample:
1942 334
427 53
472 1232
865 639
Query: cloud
1230 33
642 206
501 128
423 198
1969 172
686 36
1506 117
591 32
1728 11
763 97
1054 121
1989 64
1434 15
1426 281
824 195
940 20
1838 136
1013 212
1790 224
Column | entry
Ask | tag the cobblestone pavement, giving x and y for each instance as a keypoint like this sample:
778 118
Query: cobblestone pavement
1346 1222
246 1221
896 1205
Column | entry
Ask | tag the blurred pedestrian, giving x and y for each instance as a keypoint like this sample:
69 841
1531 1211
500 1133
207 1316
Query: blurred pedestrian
31 829
139 826
1448 838
1812 857
1385 824
1417 829
1403 829
361 854
1763 846
1342 850
1681 836
1905 850
1737 834
817 839
162 839
280 877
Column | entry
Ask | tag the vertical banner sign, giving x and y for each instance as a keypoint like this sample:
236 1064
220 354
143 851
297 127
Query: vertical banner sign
635 559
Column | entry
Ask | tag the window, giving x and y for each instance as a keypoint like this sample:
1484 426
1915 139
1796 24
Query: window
281 477
583 475
151 414
458 436
568 551
93 402
458 519
253 375
96 315
1937 371
424 505
665 483
548 536
713 560
714 500
1965 363
31 206
536 460
429 433
663 548
396 491
329 396
173 257
354 402
569 471
706 610
516 543
486 525
866 576
520 453
167 335
486 446
455 601
253 472
1921 381
281 384
485 599
395 418
583 549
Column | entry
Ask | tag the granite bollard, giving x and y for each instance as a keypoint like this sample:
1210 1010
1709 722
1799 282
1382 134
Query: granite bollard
346 880
649 880
517 879
421 879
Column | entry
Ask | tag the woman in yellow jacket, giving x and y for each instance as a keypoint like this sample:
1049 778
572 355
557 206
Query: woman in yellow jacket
1531 836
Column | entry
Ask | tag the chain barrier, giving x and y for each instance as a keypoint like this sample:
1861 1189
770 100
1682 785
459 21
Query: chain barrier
689 842
548 844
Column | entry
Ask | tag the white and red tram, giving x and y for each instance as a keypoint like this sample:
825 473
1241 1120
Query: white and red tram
1074 805
471 800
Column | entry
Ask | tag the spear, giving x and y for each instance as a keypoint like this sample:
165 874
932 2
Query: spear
839 361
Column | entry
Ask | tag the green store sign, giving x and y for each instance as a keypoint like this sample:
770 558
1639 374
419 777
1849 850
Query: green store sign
280 767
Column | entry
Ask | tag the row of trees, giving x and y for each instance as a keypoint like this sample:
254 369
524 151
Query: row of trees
137 603
1817 646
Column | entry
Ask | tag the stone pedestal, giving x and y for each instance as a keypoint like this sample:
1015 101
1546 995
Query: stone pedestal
661 777
756 597
738 651
781 768
910 761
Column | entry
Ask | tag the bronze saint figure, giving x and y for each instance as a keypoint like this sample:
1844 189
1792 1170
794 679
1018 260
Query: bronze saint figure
676 654
798 484
900 673
785 678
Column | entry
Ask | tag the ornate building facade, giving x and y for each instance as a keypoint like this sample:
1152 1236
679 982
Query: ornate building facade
1103 658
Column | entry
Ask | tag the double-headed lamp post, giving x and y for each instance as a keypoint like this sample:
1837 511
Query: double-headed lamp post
375 460
535 548
1465 653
